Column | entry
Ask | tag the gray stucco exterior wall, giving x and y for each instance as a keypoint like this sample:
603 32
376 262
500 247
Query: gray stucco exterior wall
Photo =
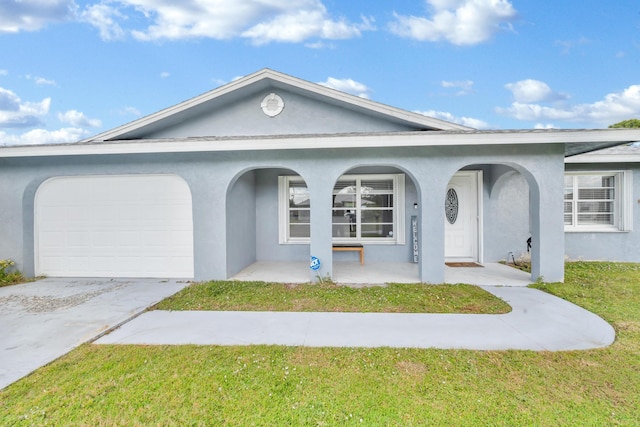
235 201
613 245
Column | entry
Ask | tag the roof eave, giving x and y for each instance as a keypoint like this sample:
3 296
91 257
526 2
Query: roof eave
577 141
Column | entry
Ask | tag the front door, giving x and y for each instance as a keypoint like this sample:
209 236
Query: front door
462 217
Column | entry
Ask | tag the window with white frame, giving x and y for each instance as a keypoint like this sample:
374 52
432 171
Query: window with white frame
295 210
365 209
597 201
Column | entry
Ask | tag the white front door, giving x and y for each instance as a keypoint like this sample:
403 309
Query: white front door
462 217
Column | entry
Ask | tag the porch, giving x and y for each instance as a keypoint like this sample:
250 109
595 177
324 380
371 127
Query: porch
491 274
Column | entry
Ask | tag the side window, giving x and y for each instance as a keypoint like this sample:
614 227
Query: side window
597 201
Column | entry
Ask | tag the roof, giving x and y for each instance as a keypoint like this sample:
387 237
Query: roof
575 142
263 79
413 129
628 153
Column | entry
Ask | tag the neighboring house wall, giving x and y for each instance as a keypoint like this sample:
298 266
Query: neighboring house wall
614 245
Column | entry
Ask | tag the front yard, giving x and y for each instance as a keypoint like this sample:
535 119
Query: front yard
394 298
270 385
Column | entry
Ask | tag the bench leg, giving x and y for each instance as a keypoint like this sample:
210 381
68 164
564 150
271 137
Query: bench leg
362 256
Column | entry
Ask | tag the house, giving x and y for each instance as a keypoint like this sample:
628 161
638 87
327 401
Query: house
603 187
273 168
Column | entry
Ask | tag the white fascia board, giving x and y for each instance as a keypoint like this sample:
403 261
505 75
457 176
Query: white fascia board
170 111
303 142
603 158
367 104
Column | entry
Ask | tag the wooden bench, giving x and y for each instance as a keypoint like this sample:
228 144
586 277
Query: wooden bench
351 247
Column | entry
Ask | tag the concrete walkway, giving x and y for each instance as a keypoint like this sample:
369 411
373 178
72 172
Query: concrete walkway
43 320
538 321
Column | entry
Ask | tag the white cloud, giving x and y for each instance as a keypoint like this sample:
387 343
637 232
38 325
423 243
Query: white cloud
32 15
43 81
43 136
18 114
465 121
544 126
534 91
569 45
78 119
103 17
459 22
320 45
613 108
464 87
347 85
4 72
165 74
261 22
14 113
303 25
129 111
40 81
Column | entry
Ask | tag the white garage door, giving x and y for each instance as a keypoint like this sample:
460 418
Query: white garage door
114 226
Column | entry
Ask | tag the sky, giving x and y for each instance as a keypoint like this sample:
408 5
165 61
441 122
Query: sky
70 69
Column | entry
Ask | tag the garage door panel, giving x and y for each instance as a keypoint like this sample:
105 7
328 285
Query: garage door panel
126 226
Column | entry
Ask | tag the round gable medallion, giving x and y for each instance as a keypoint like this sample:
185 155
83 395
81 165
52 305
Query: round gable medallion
272 105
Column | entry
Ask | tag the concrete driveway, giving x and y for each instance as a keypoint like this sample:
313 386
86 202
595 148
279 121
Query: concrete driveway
43 320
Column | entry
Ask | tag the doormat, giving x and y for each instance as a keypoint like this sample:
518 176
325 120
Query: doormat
462 264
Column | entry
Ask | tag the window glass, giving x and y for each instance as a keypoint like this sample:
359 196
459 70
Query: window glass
298 195
299 231
590 200
299 210
364 208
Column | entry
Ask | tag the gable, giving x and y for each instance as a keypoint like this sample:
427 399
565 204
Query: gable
236 109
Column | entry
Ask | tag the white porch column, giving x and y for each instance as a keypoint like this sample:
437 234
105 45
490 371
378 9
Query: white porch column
547 246
320 192
431 232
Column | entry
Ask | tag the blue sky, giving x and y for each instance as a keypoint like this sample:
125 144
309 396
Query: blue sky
72 68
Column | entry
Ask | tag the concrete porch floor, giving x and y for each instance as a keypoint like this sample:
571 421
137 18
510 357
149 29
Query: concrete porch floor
491 274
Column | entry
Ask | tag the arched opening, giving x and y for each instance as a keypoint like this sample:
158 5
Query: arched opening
508 217
375 211
490 215
268 218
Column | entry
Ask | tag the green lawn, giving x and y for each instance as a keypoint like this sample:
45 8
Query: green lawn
269 385
394 298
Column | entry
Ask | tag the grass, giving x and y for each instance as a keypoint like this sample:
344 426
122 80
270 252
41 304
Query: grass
270 385
394 298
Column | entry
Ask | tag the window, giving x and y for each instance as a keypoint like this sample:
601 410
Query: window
597 201
366 208
295 210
